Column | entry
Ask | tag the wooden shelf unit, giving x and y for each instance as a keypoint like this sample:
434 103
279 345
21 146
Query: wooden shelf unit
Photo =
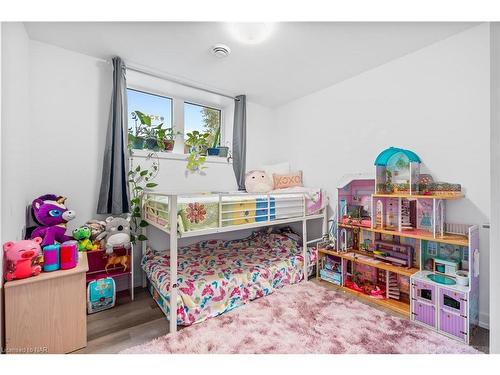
453 239
395 305
420 196
375 263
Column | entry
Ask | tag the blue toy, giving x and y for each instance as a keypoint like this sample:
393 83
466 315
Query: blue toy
101 295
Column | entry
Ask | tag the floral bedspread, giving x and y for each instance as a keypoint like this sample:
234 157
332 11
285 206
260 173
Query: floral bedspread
216 276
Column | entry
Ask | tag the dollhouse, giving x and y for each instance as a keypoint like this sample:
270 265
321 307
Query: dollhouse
395 247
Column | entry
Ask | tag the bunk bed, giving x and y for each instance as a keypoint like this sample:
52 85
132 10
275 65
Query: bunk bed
262 262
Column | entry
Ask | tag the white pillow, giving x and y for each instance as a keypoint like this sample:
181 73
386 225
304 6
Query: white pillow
278 168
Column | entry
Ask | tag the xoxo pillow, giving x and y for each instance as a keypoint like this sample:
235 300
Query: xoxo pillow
291 179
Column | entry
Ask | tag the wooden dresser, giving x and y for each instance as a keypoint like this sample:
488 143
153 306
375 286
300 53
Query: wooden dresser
47 313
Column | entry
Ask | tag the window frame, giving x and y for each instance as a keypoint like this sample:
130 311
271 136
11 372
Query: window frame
158 95
178 124
209 106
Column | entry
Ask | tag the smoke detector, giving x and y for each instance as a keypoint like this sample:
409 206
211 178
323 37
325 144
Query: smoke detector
221 50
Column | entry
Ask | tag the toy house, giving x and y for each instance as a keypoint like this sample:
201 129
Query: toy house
354 199
397 170
396 248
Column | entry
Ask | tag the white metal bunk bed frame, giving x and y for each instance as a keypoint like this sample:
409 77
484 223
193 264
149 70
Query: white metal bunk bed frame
172 223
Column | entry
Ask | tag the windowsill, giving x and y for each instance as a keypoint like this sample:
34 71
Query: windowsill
180 157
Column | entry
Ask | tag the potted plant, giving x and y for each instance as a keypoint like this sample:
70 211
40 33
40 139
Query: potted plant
214 150
197 143
135 133
151 137
166 139
140 178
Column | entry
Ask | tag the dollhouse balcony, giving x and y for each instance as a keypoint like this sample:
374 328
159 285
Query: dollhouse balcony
362 223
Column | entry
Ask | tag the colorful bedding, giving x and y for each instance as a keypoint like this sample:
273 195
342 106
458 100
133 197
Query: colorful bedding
217 276
202 212
192 213
238 210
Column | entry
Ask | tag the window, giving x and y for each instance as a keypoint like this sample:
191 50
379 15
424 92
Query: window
161 123
147 114
204 120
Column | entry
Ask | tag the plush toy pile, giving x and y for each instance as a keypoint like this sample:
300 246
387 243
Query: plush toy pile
51 216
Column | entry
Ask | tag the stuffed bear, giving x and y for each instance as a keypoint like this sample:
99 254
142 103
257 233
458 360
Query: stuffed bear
117 233
258 182
52 215
21 258
82 235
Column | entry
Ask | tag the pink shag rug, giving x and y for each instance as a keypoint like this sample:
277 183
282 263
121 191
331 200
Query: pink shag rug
304 318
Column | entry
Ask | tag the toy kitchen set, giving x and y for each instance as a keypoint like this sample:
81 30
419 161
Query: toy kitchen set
394 246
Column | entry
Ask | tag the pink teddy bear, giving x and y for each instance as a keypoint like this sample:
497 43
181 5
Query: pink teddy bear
20 258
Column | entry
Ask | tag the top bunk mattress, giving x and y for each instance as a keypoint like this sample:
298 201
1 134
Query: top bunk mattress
202 211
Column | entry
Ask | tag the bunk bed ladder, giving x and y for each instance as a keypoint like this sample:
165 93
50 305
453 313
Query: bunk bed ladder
173 262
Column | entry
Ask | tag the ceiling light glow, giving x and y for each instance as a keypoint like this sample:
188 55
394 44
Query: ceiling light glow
251 32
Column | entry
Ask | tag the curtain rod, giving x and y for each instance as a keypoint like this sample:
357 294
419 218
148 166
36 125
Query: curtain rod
156 75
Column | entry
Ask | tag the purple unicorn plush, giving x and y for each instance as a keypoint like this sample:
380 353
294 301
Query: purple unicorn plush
50 212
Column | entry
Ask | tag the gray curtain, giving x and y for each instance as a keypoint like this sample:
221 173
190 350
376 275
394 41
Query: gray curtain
240 140
114 194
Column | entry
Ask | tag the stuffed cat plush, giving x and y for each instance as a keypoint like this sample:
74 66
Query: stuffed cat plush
258 182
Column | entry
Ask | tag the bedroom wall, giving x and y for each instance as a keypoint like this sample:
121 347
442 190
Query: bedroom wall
434 101
70 96
14 137
495 187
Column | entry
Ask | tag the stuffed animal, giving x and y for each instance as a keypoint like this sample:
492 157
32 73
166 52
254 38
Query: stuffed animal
22 258
52 215
82 235
258 182
115 261
117 233
96 228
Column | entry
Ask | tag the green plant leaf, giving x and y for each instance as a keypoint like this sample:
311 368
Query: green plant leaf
143 223
138 168
151 185
143 173
142 237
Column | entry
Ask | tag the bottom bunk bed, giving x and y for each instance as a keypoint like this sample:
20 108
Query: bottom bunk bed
216 276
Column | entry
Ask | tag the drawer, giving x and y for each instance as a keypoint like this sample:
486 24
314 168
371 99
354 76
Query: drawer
452 300
423 291
453 324
424 313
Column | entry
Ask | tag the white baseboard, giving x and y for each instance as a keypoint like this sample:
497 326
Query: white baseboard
484 320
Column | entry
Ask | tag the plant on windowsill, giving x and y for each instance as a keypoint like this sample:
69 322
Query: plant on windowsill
166 139
136 133
140 179
214 150
197 143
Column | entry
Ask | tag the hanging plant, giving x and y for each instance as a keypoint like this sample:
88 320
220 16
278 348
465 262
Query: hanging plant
198 143
140 178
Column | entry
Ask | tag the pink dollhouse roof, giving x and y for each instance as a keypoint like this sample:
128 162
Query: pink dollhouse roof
348 178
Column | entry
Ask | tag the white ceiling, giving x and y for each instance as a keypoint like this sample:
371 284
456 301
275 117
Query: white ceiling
297 59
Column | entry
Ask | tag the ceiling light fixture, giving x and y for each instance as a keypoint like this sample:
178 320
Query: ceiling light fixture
251 32
221 50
